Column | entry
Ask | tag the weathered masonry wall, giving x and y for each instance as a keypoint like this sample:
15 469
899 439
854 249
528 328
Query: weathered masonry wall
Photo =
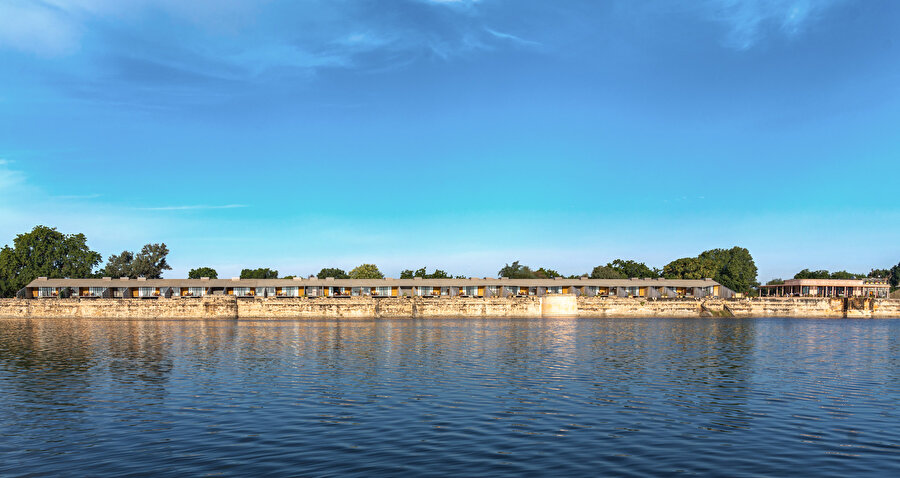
219 307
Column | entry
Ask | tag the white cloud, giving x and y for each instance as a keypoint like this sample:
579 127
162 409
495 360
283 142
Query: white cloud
33 27
192 207
748 21
511 37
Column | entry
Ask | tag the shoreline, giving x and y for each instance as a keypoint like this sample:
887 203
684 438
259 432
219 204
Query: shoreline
234 308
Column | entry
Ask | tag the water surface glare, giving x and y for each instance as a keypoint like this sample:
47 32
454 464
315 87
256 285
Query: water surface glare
461 397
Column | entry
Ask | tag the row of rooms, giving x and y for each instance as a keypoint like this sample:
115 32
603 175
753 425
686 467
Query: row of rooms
387 291
824 291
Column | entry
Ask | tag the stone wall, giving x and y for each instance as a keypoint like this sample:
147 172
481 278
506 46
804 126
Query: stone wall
205 308
625 307
219 307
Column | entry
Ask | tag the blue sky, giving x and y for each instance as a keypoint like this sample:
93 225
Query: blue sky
455 134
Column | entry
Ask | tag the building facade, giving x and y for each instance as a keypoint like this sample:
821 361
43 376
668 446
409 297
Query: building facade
140 288
873 287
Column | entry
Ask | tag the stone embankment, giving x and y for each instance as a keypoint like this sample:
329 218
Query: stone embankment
219 307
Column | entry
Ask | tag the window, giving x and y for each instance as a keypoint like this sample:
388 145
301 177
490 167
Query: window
290 291
356 291
470 290
267 291
383 291
493 290
242 291
511 290
145 291
555 289
96 291
46 292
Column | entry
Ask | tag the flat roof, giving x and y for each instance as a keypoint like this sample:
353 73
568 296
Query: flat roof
221 283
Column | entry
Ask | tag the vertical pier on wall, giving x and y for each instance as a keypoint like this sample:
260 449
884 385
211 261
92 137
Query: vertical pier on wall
559 306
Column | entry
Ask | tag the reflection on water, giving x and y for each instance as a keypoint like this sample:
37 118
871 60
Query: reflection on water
471 396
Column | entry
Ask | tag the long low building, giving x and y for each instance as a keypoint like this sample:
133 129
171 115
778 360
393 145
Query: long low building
106 287
872 287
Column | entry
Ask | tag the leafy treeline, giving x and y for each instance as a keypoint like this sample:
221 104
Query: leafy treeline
201 272
44 252
149 263
734 268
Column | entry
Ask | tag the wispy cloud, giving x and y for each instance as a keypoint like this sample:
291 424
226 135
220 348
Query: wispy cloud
77 196
748 21
192 207
511 37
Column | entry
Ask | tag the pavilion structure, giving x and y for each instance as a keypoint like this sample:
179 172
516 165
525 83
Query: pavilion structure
871 287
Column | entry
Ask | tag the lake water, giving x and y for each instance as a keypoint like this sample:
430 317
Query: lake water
560 397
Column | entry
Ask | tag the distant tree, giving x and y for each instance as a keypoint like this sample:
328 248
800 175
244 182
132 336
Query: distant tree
735 268
880 273
44 252
516 271
149 263
119 265
203 272
846 275
895 276
824 274
288 277
543 273
332 272
606 272
261 273
423 273
775 282
630 268
366 271
808 274
690 268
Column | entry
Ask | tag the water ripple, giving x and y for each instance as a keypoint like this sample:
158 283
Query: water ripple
451 397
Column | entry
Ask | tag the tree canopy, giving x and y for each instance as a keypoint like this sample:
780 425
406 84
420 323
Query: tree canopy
516 271
261 273
690 268
423 273
735 268
629 268
203 272
149 263
44 252
824 274
606 272
543 273
366 271
332 272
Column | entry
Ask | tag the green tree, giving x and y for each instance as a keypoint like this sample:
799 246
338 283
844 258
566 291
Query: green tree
629 268
118 265
261 273
775 282
203 272
606 272
332 272
690 268
149 263
735 268
423 273
894 278
366 271
846 275
516 271
808 274
44 252
543 273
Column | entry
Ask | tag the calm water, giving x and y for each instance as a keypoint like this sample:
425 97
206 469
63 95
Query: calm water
464 397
